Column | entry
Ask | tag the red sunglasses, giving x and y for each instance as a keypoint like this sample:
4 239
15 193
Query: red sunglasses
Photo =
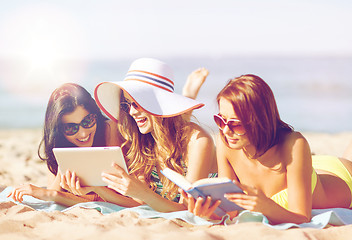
233 124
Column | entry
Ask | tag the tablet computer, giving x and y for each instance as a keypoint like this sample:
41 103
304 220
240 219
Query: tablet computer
89 162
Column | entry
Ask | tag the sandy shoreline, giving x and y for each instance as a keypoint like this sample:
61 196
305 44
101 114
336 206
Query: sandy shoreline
19 164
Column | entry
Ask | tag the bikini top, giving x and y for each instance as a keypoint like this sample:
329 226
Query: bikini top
281 197
159 185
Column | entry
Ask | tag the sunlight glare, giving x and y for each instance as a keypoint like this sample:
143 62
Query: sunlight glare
40 40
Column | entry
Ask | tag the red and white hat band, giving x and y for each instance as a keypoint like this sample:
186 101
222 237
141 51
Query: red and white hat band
151 78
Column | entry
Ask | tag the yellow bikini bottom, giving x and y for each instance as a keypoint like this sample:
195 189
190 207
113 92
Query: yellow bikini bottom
320 162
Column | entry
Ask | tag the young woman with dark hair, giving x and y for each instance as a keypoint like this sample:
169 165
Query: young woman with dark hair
65 101
72 119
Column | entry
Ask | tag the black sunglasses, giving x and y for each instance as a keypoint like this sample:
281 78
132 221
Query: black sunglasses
126 105
88 121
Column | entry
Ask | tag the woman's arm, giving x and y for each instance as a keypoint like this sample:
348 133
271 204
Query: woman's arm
200 152
109 195
299 173
54 181
295 150
299 177
53 192
202 207
60 197
200 156
71 183
129 185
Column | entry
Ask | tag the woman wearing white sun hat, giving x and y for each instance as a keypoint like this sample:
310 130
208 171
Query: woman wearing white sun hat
156 133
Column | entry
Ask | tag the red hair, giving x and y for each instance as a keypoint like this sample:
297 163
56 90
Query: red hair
255 106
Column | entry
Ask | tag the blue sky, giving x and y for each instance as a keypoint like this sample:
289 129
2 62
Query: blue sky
43 31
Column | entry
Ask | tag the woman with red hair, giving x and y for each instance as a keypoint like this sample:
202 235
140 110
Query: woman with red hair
270 161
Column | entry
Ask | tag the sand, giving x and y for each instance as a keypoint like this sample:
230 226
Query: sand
19 164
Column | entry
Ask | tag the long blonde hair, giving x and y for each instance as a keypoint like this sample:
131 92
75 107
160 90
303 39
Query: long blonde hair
143 151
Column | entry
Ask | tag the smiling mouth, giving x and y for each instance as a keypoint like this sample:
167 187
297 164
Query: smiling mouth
83 140
141 121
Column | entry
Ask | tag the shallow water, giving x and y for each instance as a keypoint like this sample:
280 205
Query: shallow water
312 93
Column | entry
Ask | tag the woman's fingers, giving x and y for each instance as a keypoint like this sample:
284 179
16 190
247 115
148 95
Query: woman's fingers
17 193
13 194
198 211
183 193
203 208
20 197
78 184
249 202
114 182
118 170
184 197
240 197
75 186
67 181
191 203
247 189
73 180
111 178
214 207
63 181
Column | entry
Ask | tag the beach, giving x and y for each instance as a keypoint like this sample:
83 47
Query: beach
305 60
20 164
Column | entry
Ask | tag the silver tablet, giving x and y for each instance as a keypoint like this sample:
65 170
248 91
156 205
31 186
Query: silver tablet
89 162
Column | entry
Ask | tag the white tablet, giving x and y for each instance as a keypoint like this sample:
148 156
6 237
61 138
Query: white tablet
89 162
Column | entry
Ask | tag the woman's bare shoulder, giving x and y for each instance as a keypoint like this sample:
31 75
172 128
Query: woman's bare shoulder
296 148
199 137
196 131
294 138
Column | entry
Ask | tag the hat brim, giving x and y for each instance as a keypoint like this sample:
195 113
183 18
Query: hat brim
154 101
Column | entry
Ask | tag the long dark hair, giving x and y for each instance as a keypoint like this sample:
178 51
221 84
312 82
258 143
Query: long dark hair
255 106
62 101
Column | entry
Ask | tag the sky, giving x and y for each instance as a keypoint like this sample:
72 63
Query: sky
45 31
38 36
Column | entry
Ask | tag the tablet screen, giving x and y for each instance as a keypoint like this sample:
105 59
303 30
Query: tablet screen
89 162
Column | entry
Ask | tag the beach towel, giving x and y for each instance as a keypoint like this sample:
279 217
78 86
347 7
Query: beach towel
321 217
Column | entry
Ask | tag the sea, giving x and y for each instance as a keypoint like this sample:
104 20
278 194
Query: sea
313 93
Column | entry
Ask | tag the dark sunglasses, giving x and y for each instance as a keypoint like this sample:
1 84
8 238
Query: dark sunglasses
125 105
88 121
234 125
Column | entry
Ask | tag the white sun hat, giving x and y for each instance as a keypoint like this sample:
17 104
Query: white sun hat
149 82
